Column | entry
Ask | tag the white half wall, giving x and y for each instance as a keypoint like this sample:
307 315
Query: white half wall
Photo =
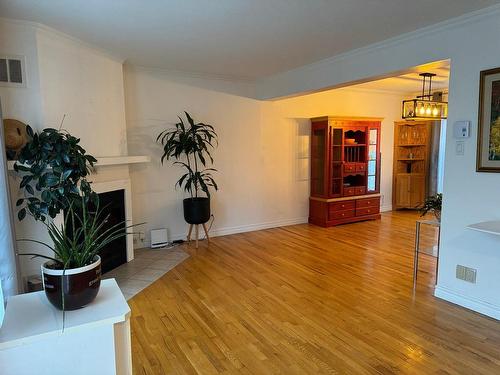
472 44
263 154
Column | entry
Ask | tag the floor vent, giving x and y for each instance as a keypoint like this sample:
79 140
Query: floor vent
466 274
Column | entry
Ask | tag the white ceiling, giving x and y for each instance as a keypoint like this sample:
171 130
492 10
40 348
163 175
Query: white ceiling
411 83
244 38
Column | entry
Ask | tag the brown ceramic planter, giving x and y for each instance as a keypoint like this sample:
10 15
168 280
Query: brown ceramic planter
80 285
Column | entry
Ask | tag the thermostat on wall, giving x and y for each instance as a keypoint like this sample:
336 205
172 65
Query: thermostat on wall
159 238
461 129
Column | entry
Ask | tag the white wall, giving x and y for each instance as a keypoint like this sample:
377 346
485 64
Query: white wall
256 173
64 76
18 38
263 154
87 87
472 44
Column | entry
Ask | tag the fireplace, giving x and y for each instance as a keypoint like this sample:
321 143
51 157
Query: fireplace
114 254
112 205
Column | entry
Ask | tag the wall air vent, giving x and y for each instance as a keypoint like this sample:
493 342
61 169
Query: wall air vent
12 71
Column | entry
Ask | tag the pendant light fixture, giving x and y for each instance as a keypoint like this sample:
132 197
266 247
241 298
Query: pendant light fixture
428 105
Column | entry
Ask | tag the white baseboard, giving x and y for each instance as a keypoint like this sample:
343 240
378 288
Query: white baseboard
237 229
474 304
386 208
258 226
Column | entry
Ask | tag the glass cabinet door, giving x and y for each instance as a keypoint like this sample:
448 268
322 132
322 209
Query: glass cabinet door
336 162
318 159
373 182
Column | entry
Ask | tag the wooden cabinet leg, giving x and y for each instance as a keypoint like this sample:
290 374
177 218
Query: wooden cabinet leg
196 234
189 232
206 232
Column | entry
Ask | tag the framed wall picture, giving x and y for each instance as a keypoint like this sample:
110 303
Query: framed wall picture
488 138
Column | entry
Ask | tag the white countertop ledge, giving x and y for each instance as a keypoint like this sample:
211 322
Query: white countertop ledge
491 227
30 317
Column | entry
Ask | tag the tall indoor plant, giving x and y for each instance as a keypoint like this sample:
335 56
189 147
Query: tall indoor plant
190 145
54 169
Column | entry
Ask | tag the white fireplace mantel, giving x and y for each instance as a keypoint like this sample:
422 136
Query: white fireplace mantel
104 161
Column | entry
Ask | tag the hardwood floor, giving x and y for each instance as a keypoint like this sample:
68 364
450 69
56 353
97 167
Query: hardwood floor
304 299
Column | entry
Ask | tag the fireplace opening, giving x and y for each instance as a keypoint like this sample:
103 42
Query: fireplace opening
113 254
112 204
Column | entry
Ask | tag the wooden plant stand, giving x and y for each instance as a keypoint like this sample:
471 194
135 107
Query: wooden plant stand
196 232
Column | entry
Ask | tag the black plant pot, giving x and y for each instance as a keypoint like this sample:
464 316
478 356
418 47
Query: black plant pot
80 285
196 210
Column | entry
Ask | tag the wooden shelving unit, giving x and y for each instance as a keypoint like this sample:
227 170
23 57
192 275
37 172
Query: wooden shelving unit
411 163
345 170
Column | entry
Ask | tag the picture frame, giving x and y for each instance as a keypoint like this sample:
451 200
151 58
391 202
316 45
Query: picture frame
488 137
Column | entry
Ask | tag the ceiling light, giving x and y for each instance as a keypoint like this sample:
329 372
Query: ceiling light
427 106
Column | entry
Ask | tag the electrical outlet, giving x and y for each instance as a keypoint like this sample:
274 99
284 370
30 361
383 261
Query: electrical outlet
466 274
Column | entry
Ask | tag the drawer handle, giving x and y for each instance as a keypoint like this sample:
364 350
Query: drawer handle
343 214
368 210
368 202
343 205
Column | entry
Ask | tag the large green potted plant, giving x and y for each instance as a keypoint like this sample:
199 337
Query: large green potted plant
54 170
190 146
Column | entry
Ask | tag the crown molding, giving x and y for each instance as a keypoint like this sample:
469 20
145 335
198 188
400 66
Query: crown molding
190 74
47 29
450 24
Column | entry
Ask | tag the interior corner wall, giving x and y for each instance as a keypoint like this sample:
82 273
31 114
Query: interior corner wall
471 43
64 76
257 176
263 154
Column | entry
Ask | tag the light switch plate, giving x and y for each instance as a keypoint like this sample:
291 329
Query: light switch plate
460 148
461 129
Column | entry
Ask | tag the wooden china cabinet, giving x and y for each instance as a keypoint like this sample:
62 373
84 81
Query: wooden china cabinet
345 170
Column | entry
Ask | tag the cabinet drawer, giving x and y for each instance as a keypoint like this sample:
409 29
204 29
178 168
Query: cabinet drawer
367 211
336 215
368 202
342 205
360 167
360 190
349 168
350 191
